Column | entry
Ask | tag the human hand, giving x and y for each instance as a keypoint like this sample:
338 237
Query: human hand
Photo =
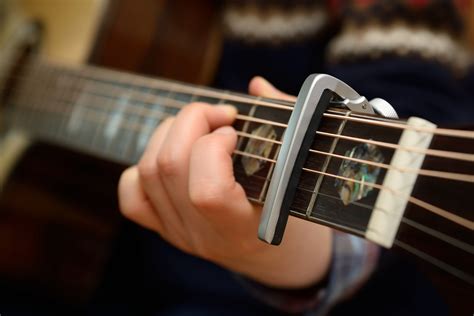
184 189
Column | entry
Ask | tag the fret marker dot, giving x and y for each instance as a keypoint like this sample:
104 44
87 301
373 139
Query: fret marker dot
258 147
350 191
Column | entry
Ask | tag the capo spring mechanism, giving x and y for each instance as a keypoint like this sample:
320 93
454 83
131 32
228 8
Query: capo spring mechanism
315 96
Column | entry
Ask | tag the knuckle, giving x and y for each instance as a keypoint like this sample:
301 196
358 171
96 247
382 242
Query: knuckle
167 165
205 196
147 170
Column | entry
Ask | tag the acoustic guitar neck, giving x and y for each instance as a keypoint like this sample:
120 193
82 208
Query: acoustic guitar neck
112 115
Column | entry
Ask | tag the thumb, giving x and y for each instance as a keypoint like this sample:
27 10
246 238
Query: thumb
259 86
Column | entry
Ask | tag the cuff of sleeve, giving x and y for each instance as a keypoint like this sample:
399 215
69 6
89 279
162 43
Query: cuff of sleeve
353 261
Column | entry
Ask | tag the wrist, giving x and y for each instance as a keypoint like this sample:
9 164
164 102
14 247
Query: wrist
302 259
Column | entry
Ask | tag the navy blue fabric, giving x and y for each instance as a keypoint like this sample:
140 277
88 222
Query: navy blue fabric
147 276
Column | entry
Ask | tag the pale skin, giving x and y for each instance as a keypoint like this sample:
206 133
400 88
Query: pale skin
184 189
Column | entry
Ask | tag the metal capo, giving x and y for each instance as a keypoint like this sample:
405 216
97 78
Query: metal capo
313 100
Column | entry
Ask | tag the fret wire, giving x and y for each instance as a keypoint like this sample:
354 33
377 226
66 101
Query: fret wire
69 94
246 125
269 175
266 183
440 174
319 181
125 151
101 129
145 131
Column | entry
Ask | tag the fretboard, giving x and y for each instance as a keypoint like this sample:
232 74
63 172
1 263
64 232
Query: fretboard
112 115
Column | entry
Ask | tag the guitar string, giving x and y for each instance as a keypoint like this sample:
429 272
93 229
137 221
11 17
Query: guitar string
101 75
445 266
446 238
177 104
437 131
169 102
298 187
401 126
445 132
434 209
458 272
428 152
432 173
435 261
214 93
435 233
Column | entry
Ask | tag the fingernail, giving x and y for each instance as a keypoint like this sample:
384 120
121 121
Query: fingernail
229 110
226 130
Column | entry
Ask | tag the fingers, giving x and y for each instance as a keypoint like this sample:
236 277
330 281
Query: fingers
258 86
191 123
212 187
153 187
133 201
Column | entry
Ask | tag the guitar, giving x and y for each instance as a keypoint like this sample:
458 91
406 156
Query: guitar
347 166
